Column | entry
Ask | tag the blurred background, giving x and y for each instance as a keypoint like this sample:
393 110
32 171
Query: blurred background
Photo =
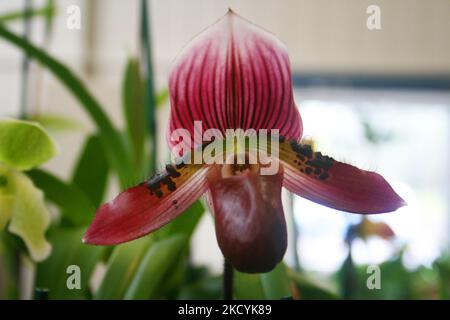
378 99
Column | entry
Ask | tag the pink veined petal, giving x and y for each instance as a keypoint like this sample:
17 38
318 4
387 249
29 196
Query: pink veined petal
233 75
148 206
335 184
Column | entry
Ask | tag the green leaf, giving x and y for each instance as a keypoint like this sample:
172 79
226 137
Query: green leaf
91 172
150 278
67 250
209 288
162 97
273 285
76 208
121 268
276 283
29 218
10 266
56 123
6 208
110 138
46 11
134 112
308 290
248 286
24 144
442 265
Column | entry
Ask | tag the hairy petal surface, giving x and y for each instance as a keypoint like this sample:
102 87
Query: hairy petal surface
233 75
335 184
148 206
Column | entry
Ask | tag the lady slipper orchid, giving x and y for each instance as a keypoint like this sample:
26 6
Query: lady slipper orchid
235 75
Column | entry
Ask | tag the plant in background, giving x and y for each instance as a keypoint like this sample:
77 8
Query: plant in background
237 76
23 146
107 151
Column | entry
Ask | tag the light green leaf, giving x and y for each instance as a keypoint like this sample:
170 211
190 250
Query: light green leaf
158 263
29 216
24 144
121 268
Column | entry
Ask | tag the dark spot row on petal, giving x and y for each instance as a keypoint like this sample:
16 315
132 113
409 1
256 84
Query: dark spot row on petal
311 163
302 149
164 178
172 171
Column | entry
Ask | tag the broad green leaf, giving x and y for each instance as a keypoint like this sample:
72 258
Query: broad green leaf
121 268
273 285
184 225
76 208
209 288
29 218
91 172
134 111
307 289
10 266
150 278
442 265
248 286
68 250
24 144
110 138
276 283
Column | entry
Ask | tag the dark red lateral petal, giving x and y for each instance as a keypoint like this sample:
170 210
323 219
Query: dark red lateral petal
335 184
249 219
233 75
148 206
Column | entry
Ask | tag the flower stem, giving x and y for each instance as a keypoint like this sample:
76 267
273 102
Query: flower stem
24 92
146 52
228 275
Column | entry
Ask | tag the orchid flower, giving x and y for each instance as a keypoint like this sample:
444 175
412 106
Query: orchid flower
235 75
